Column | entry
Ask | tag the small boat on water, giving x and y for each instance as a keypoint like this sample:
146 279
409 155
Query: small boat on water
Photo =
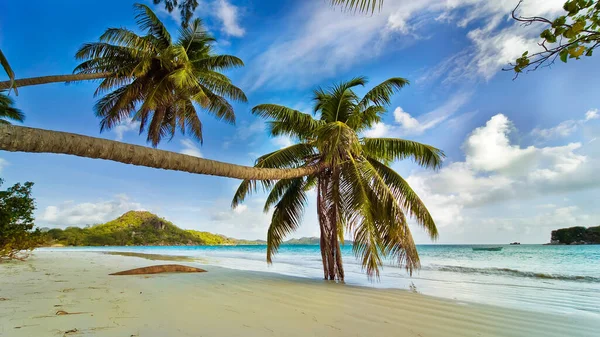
487 249
515 243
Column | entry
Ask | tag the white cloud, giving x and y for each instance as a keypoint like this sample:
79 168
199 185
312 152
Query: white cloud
71 214
240 209
282 141
222 10
592 114
190 148
3 164
406 124
497 171
318 46
125 126
229 16
565 128
378 130
406 121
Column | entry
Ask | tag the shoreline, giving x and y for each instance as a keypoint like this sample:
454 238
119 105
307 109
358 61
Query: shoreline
232 302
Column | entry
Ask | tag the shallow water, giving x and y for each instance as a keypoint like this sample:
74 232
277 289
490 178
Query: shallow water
560 279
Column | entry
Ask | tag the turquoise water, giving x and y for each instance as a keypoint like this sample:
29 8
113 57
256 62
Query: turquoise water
563 279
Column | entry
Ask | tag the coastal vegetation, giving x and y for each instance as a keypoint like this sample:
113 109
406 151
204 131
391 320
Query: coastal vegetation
357 191
576 236
134 228
17 232
141 228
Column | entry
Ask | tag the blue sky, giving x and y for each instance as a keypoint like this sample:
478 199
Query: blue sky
521 154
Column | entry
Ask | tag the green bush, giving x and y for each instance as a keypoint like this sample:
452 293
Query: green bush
16 222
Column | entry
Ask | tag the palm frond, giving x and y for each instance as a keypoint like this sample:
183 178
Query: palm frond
147 20
9 71
219 62
222 87
357 193
389 149
361 120
289 121
7 111
407 198
363 6
277 191
134 43
337 102
219 107
291 156
195 39
382 93
286 216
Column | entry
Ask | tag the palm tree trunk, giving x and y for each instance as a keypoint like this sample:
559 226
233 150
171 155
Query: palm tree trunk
335 245
324 243
330 247
21 139
23 82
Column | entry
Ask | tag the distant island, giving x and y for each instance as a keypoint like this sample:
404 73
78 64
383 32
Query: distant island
576 236
140 228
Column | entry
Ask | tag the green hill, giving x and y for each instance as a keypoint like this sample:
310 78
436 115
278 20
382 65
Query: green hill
140 228
134 228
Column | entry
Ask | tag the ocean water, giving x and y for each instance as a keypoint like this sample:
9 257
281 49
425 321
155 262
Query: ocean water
559 279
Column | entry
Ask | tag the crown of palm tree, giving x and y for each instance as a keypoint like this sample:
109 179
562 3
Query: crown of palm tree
157 81
357 189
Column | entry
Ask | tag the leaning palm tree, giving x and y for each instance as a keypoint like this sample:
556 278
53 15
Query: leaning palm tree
155 80
194 58
31 140
357 191
158 81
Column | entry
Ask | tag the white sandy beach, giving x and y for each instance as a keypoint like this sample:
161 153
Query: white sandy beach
224 302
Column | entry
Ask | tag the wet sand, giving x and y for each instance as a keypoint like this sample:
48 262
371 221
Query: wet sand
71 294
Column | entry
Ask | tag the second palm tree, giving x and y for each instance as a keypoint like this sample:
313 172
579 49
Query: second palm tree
357 191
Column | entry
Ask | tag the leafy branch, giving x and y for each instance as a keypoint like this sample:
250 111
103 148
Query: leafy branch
568 36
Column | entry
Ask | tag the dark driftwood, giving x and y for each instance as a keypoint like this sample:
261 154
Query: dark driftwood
163 268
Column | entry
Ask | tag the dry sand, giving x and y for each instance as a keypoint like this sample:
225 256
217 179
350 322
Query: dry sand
226 302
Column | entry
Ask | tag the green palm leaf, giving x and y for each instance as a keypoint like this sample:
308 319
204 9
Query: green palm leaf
147 20
8 70
382 93
338 102
361 216
363 6
390 149
159 82
289 121
287 216
291 156
406 197
7 111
